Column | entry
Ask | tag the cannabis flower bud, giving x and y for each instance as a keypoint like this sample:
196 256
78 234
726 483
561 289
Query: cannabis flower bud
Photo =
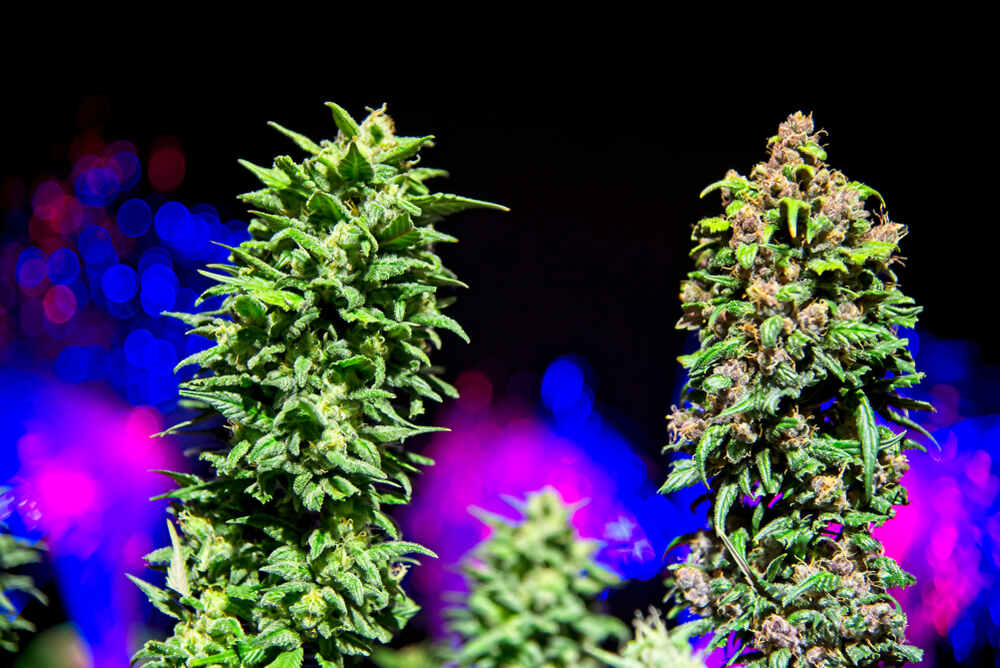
797 308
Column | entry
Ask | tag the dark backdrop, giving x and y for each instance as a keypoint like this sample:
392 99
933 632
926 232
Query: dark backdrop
602 187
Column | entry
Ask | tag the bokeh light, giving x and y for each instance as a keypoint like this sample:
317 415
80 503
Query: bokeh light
95 247
84 276
63 266
499 445
119 283
96 186
59 304
134 217
31 268
166 167
159 289
48 201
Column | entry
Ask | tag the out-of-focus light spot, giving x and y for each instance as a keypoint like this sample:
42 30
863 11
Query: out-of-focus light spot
127 168
475 391
238 232
59 304
978 467
96 186
943 542
119 283
206 209
48 200
159 289
136 344
154 255
161 357
70 218
172 220
122 310
79 292
134 218
185 300
562 385
962 638
31 269
73 363
95 246
63 266
195 243
166 167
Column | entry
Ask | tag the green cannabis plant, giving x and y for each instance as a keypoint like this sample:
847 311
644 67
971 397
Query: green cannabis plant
531 589
319 365
421 655
653 646
797 308
14 552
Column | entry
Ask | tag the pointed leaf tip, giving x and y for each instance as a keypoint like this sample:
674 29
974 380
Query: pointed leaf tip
344 121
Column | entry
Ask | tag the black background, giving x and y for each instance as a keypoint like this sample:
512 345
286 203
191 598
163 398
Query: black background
601 173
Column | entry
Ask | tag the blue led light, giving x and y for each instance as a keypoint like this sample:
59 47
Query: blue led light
962 637
96 186
73 363
95 246
207 210
185 300
159 289
198 243
195 344
27 254
100 363
171 218
238 232
135 346
119 283
161 357
161 389
562 384
31 268
63 266
134 218
154 255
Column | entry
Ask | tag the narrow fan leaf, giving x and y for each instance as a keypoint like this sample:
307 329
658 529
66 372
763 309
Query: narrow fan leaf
868 436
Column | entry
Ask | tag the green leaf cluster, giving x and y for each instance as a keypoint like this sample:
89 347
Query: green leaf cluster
319 365
422 655
14 552
654 646
531 589
797 309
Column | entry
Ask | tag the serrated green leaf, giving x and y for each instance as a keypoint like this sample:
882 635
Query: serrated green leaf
347 125
710 441
868 436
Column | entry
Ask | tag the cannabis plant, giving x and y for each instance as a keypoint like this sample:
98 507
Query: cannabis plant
531 589
14 552
796 306
653 646
422 655
319 365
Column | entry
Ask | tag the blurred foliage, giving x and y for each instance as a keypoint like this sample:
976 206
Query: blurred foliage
14 552
532 584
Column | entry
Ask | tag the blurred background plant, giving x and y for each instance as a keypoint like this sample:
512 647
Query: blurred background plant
99 233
